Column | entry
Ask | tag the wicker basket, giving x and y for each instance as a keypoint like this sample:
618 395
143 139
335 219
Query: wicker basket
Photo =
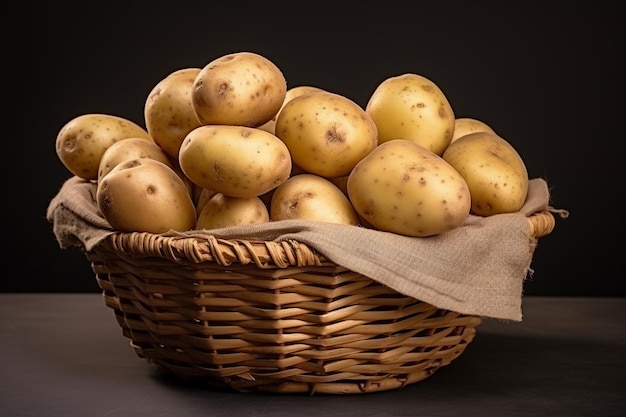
273 317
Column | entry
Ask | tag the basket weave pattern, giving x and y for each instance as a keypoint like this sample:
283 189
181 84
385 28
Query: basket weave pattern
273 317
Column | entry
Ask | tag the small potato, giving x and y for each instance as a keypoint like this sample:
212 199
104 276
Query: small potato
81 142
292 92
243 88
145 195
131 148
235 160
311 197
169 112
404 188
494 171
466 125
412 107
326 133
224 211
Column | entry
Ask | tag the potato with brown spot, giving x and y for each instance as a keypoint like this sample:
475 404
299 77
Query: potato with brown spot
168 111
404 188
242 88
326 133
494 171
311 197
466 125
81 142
292 92
235 160
145 195
224 211
412 107
131 148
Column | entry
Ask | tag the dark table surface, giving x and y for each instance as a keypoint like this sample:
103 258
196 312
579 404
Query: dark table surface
64 355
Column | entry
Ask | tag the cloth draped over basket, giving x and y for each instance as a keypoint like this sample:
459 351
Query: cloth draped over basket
477 269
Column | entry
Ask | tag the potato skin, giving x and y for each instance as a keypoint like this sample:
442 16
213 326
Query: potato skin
494 171
410 106
235 160
242 88
404 188
326 133
81 142
169 113
224 211
467 125
145 195
131 148
311 197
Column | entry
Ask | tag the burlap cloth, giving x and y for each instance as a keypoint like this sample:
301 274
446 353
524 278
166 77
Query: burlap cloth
476 269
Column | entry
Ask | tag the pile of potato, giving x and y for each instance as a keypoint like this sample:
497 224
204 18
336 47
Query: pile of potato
229 144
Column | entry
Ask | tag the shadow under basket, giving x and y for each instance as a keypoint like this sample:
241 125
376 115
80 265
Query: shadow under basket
273 317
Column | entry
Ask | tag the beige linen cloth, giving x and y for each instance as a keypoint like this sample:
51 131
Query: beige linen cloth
476 269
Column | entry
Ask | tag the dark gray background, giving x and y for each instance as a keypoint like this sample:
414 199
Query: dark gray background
545 77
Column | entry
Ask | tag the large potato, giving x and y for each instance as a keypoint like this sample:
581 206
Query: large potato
242 88
81 142
145 195
311 197
326 133
223 211
131 148
169 113
235 160
412 107
404 188
494 171
466 125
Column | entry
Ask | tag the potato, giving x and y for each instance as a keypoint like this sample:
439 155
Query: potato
131 148
292 92
243 88
412 107
466 125
311 197
145 195
169 113
326 133
404 188
81 142
494 171
235 160
222 210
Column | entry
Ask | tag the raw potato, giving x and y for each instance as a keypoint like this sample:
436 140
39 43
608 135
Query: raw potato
81 142
169 113
292 92
235 160
145 195
404 188
243 88
131 148
466 125
311 197
494 171
326 133
412 107
224 211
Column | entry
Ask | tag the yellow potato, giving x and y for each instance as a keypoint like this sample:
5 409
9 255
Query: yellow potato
494 171
131 148
404 188
243 88
311 197
412 107
224 211
169 113
326 133
145 195
466 125
81 142
235 160
292 92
